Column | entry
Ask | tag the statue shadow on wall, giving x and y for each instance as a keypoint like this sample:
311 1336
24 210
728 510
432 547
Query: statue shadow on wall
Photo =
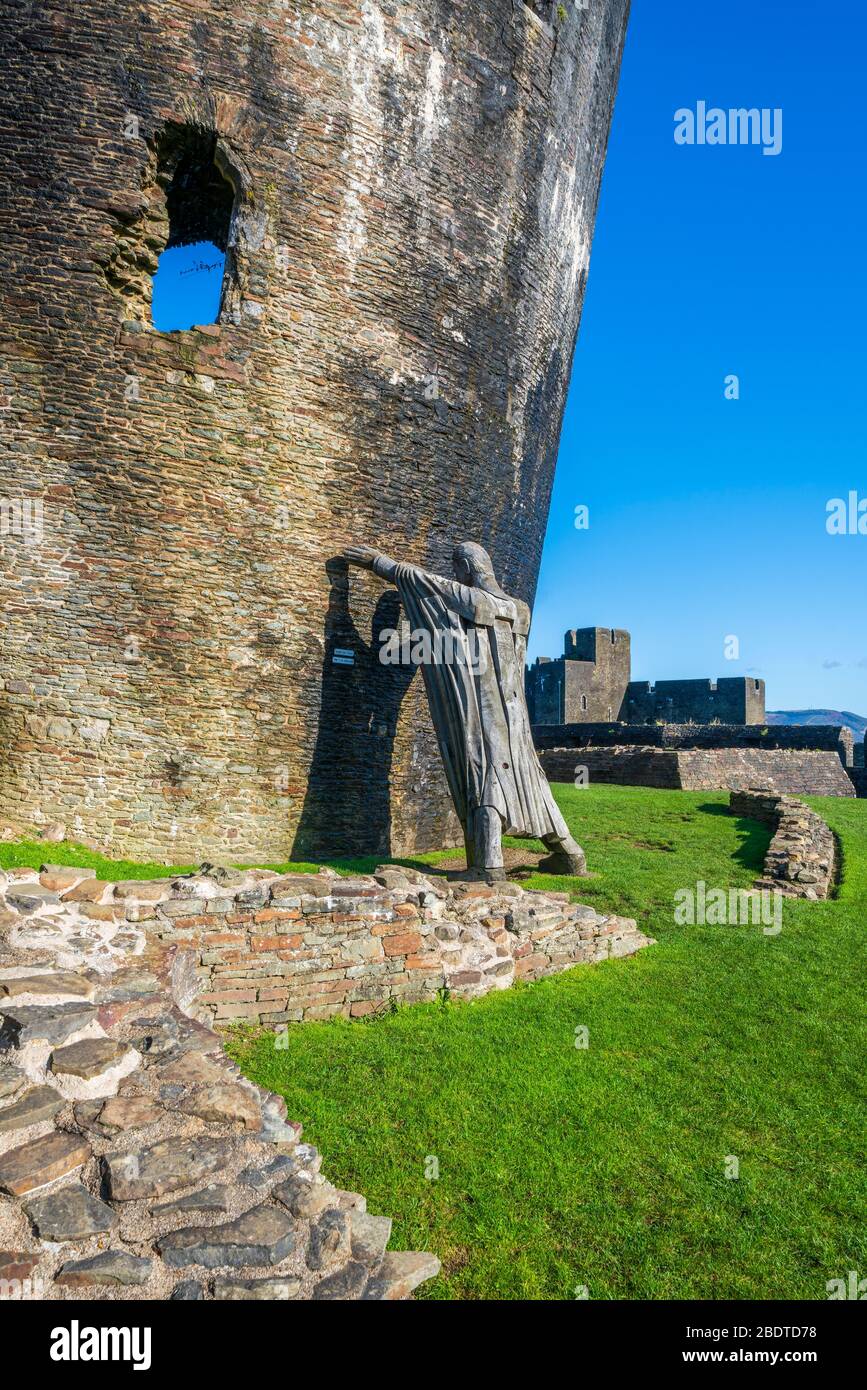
348 800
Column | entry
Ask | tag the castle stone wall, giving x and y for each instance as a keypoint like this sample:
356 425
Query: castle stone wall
822 737
590 683
413 194
732 700
596 668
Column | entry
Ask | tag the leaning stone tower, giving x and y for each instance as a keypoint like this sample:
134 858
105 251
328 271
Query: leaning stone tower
406 195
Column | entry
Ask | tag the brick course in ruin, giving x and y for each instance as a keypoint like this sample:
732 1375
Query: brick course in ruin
274 948
413 193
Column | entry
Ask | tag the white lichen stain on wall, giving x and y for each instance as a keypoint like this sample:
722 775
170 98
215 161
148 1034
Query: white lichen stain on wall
371 52
433 106
567 230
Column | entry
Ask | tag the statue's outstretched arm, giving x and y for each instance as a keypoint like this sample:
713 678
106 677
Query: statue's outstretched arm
368 558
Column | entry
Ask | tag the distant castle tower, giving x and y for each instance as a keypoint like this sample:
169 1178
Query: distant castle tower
406 196
591 684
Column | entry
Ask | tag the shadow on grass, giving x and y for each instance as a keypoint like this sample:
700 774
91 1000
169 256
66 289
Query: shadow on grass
755 837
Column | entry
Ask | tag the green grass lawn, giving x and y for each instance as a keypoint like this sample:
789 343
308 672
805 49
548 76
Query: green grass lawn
606 1167
31 854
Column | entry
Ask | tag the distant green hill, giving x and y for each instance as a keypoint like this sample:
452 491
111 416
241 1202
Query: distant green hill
856 722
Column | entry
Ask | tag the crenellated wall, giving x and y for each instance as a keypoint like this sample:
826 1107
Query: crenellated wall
591 684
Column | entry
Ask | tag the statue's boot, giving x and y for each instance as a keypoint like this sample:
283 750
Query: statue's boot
483 844
567 857
493 874
488 836
477 874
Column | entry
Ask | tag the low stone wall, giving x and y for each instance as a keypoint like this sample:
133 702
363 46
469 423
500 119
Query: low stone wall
136 1162
787 771
277 949
626 767
799 737
802 859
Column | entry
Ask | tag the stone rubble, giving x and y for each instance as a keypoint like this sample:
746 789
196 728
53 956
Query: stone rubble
136 1162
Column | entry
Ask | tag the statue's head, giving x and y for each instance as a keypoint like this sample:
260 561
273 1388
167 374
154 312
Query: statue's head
473 566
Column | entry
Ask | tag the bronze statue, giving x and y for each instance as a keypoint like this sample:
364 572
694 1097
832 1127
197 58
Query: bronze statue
475 689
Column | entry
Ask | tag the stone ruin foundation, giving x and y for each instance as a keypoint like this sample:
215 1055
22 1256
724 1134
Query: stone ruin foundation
136 1161
803 860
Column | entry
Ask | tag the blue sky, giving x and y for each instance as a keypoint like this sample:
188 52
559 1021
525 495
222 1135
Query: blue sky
187 286
707 516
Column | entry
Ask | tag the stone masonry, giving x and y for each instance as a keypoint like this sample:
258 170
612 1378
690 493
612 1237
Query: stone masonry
803 859
406 195
323 945
592 682
275 949
136 1162
807 737
785 770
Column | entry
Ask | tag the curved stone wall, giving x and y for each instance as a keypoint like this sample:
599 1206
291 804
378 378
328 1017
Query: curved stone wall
414 189
803 860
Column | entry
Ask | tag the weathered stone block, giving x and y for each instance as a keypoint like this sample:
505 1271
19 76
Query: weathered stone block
262 1236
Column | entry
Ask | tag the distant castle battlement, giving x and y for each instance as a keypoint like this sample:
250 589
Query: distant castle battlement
591 683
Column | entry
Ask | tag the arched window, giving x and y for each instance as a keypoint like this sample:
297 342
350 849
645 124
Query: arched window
583 702
199 200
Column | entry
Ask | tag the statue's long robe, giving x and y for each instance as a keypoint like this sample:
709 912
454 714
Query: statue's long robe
477 699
